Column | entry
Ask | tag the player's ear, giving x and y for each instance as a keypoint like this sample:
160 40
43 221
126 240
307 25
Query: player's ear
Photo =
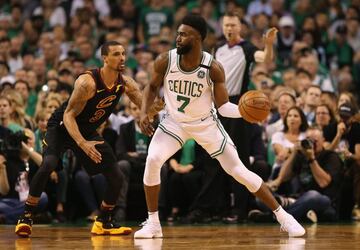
104 58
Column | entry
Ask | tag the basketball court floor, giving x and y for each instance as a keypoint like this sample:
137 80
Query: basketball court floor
247 236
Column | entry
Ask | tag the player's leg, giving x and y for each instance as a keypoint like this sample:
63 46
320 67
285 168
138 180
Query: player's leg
231 163
104 223
162 147
52 148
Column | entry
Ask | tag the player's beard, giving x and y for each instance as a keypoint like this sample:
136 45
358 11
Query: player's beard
118 69
184 49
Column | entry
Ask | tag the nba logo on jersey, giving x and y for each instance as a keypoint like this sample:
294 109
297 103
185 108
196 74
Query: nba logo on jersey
201 74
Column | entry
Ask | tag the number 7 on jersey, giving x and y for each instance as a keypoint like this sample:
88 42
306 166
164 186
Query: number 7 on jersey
185 100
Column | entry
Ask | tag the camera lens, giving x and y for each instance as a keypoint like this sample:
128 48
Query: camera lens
306 144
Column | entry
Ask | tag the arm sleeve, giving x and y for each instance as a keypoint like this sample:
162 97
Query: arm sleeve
229 110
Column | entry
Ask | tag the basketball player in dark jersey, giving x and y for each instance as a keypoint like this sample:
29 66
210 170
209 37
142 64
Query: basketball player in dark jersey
73 125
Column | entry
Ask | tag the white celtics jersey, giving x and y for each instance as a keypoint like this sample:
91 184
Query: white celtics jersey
188 95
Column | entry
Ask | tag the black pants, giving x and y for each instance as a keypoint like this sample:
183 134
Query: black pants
57 140
211 198
239 131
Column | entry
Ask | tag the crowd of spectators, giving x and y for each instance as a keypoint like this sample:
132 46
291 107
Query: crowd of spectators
308 149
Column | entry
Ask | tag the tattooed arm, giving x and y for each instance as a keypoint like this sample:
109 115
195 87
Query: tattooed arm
84 89
133 92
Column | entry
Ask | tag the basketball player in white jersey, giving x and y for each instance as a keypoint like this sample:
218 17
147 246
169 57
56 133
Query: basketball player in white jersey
193 82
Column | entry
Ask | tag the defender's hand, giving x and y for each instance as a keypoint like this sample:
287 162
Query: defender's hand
90 150
157 106
145 125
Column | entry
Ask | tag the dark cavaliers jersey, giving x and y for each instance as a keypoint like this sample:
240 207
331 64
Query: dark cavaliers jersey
97 109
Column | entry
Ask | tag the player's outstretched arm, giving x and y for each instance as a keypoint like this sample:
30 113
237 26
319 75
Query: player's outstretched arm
221 97
84 89
151 92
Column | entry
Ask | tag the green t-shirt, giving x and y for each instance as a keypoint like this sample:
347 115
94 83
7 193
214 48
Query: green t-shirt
153 20
14 127
344 53
39 136
31 104
141 142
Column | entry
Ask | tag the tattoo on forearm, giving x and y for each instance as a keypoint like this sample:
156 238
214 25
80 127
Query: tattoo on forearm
135 96
133 92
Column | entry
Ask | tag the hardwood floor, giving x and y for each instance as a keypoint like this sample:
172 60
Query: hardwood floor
249 236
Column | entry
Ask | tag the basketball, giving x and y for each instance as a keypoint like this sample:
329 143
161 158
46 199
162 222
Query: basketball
254 106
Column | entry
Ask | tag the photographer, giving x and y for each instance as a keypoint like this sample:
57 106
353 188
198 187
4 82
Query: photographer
344 138
18 163
316 173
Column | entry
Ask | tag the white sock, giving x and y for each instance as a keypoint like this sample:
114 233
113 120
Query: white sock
154 217
280 213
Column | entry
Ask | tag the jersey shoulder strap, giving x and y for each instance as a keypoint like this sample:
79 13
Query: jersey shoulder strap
206 63
95 74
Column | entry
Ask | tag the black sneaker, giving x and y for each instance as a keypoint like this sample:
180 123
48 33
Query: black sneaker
108 227
24 226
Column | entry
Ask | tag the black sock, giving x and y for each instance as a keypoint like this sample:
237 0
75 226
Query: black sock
106 212
29 209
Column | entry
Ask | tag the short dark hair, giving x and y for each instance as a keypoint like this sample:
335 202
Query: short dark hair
304 124
106 45
23 81
197 22
234 14
314 86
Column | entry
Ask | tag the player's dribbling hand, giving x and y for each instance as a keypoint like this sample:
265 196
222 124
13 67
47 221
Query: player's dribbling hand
90 150
145 125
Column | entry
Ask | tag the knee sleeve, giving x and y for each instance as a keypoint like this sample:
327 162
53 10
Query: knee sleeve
161 148
231 163
251 180
152 170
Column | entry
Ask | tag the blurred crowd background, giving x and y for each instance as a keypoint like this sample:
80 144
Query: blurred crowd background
314 80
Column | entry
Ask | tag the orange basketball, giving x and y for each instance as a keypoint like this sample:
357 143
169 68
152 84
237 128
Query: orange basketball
254 106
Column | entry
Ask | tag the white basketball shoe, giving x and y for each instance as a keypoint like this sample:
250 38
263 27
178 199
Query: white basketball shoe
291 226
149 230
